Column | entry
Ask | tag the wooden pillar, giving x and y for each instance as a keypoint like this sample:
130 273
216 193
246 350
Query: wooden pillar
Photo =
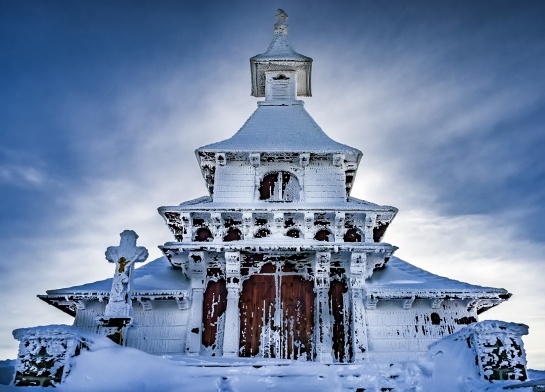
232 317
197 273
358 269
278 226
308 229
339 226
370 220
323 327
216 226
187 228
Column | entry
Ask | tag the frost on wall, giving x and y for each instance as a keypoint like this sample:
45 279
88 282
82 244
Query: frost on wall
45 354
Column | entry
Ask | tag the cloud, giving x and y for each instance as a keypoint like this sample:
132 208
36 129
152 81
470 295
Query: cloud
22 175
20 168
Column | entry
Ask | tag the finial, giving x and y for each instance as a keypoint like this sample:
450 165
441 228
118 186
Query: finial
280 27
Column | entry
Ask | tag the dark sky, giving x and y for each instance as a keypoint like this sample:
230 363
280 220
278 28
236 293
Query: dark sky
103 103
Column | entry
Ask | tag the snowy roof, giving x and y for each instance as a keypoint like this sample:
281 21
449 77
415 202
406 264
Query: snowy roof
156 277
280 128
399 279
280 49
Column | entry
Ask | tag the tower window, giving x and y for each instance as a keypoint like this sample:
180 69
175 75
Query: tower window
203 234
279 186
323 235
352 235
262 233
232 235
293 233
378 231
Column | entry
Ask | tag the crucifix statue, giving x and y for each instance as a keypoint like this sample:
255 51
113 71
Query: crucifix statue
118 310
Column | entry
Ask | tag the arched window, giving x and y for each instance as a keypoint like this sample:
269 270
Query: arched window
352 235
293 233
323 235
279 186
203 234
378 231
232 235
262 233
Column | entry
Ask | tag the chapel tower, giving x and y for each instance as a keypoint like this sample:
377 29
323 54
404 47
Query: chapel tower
270 250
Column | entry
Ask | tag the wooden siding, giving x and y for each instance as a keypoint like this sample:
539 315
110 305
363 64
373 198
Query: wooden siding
397 334
159 331
234 183
324 184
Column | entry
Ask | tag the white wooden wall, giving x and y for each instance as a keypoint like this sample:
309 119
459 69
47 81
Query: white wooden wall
86 318
159 331
324 184
237 182
234 182
397 334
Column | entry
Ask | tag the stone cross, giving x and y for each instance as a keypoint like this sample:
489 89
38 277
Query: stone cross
124 256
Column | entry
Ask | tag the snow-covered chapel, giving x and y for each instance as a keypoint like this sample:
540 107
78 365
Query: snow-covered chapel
278 260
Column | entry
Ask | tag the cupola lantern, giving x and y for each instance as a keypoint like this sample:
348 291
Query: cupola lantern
281 73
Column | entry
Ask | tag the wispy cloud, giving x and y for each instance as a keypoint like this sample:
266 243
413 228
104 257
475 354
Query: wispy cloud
21 175
19 168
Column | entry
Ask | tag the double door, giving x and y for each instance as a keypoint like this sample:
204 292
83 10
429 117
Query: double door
277 314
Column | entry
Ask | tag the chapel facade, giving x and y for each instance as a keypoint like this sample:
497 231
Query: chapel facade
278 260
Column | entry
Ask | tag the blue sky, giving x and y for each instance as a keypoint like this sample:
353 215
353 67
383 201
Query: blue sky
103 103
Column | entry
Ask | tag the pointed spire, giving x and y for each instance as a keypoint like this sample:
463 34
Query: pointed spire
280 26
280 56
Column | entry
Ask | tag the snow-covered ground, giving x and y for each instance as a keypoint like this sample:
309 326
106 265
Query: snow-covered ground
109 367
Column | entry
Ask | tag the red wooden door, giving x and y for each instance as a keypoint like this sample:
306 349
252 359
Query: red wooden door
297 317
214 306
257 306
276 315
